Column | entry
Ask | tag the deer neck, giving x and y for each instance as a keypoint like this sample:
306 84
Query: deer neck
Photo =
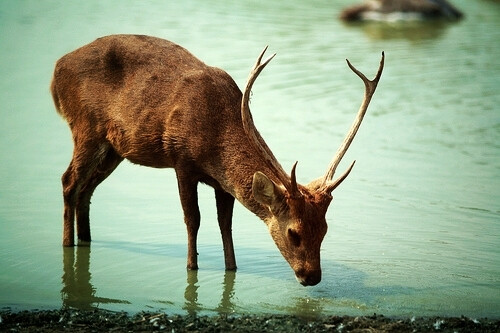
240 163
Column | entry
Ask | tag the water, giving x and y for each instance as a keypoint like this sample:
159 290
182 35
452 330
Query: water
413 231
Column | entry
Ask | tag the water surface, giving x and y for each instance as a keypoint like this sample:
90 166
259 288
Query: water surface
413 231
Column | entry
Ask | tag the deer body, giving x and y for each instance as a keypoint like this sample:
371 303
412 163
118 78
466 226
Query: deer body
152 102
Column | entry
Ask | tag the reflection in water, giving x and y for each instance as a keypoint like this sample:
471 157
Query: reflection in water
308 308
191 294
226 304
77 291
411 31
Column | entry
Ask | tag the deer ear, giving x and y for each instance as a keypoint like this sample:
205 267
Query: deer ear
264 190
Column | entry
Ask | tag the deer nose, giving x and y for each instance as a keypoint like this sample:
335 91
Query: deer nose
308 278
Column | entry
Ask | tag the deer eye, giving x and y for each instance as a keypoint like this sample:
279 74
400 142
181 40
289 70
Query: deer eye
294 237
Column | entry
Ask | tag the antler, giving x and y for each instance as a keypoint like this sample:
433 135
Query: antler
290 183
370 86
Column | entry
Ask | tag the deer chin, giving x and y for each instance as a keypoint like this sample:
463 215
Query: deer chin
309 279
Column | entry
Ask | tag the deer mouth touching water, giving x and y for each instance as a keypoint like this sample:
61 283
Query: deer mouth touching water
152 102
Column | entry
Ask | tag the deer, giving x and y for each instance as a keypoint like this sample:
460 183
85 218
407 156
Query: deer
152 102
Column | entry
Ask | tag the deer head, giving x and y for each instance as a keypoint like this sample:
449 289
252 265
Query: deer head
297 221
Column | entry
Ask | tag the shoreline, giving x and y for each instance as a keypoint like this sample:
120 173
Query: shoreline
72 320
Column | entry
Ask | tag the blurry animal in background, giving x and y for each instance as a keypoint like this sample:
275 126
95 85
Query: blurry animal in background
401 10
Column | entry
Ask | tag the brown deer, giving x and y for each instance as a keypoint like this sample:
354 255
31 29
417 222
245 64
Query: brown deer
152 102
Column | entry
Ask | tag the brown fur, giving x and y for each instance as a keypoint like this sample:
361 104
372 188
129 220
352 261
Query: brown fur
152 102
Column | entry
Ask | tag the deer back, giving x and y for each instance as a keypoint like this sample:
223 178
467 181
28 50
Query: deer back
151 99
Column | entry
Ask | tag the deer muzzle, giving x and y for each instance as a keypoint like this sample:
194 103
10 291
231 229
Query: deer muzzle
308 277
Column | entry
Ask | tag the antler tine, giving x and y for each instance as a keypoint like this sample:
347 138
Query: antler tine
332 185
294 189
259 59
254 73
289 183
370 86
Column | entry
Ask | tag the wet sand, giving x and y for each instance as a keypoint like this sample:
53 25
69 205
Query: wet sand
68 320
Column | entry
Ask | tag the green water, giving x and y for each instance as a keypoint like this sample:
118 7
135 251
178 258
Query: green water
414 230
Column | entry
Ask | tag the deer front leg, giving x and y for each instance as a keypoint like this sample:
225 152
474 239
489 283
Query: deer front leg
225 204
188 192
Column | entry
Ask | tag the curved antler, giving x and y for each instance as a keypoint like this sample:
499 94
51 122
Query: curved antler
370 86
290 183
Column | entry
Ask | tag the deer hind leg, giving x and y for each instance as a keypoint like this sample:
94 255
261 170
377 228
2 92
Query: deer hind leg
225 204
70 186
108 160
77 180
188 192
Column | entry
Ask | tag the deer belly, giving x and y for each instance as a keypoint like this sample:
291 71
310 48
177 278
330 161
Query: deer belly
140 148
